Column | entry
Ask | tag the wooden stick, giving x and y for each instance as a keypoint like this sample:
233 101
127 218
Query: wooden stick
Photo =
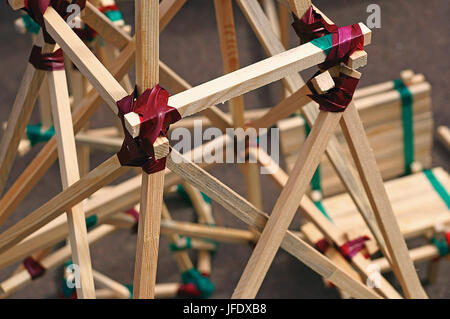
314 235
222 234
103 25
286 205
365 161
327 228
47 155
182 257
293 82
70 174
292 103
20 114
444 135
205 216
245 211
147 76
419 254
230 59
50 262
283 17
120 290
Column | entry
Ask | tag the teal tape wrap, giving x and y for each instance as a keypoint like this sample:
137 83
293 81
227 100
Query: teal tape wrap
438 187
441 245
30 24
188 245
319 205
67 292
203 284
407 123
114 15
182 192
315 181
130 289
35 135
91 221
325 43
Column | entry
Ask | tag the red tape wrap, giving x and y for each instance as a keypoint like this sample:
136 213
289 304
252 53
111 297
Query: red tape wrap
312 26
447 237
112 7
338 98
345 40
156 117
46 61
322 245
352 247
34 268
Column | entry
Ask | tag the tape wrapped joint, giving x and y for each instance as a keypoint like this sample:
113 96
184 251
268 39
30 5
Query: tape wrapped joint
155 117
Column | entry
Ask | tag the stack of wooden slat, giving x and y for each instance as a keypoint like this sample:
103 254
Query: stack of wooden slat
416 204
380 108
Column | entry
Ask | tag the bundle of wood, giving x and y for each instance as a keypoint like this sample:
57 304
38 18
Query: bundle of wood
421 205
397 117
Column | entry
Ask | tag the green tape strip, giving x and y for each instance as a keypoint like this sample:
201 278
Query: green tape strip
174 247
30 24
91 221
182 192
438 187
325 43
114 15
441 245
203 284
67 292
407 123
35 135
319 205
130 289
315 181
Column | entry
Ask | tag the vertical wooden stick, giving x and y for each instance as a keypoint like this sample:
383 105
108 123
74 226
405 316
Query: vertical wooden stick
59 99
147 57
230 58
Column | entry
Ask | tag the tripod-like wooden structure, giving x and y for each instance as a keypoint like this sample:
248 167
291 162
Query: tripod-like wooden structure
151 17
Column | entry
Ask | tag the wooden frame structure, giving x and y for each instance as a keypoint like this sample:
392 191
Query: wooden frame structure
151 18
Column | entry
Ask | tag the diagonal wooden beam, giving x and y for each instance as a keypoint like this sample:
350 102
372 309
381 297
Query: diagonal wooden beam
20 114
252 216
36 169
347 173
362 153
59 100
286 205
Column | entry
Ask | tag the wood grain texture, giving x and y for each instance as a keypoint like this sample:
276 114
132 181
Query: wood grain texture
59 99
293 82
230 61
252 216
286 205
20 114
47 156
147 76
373 184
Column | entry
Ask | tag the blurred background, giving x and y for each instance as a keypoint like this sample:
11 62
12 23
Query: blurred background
414 35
